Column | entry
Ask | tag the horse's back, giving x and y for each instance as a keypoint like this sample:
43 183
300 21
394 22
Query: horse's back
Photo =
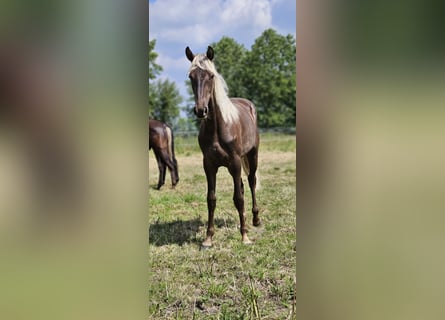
155 133
248 121
158 135
245 106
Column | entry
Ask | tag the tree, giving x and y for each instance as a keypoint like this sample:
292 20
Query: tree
166 99
265 75
229 58
269 78
163 96
153 68
188 108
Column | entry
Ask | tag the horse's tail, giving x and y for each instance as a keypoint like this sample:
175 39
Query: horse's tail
171 149
246 168
169 142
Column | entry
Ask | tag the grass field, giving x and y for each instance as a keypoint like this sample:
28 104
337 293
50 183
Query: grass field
231 280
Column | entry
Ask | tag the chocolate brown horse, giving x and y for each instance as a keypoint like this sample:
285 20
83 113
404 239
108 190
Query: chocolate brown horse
228 137
162 142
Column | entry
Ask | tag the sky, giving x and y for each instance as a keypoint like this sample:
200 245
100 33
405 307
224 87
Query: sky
176 24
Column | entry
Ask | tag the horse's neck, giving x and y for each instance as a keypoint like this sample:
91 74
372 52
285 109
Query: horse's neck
215 125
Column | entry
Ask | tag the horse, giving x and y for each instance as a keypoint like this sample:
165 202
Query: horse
228 137
162 142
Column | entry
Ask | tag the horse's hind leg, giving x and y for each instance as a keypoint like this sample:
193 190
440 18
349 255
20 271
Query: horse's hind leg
164 171
253 164
175 165
171 166
161 167
174 162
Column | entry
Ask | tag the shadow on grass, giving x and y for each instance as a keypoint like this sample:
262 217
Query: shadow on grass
165 186
180 232
176 232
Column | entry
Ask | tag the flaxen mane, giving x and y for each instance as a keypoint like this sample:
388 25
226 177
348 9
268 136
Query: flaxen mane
228 110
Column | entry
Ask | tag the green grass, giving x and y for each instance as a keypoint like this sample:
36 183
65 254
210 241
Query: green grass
231 280
270 141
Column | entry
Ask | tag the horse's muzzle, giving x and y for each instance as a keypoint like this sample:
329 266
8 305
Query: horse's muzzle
201 113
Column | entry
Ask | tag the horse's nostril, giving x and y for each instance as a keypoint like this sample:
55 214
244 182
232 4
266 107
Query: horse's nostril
201 112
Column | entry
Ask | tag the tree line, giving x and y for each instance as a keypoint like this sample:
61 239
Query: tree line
265 74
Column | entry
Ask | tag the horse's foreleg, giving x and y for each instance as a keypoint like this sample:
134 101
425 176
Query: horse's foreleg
238 198
211 203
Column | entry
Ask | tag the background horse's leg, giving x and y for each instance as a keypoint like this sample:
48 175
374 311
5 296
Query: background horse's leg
164 167
175 165
171 166
238 197
164 170
210 171
161 167
253 164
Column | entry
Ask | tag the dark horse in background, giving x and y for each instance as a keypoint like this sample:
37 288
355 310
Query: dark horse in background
228 137
162 142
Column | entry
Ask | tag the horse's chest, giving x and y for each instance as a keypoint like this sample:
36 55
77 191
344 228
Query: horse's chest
215 151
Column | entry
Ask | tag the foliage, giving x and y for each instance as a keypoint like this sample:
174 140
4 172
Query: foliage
269 78
190 123
153 68
163 96
229 61
265 74
187 124
166 99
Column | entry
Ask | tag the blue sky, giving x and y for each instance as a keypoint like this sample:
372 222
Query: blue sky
176 24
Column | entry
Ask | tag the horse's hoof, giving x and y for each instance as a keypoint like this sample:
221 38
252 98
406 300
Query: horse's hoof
256 223
247 242
206 244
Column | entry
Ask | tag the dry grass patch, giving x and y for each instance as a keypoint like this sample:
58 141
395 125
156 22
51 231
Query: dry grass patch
231 280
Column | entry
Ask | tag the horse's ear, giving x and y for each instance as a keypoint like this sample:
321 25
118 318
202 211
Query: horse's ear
210 53
189 54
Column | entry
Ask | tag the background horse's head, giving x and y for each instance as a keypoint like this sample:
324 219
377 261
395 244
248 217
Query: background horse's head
202 80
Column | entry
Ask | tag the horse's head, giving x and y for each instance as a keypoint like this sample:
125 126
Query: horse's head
202 81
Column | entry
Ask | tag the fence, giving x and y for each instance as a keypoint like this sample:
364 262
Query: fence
280 130
284 138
